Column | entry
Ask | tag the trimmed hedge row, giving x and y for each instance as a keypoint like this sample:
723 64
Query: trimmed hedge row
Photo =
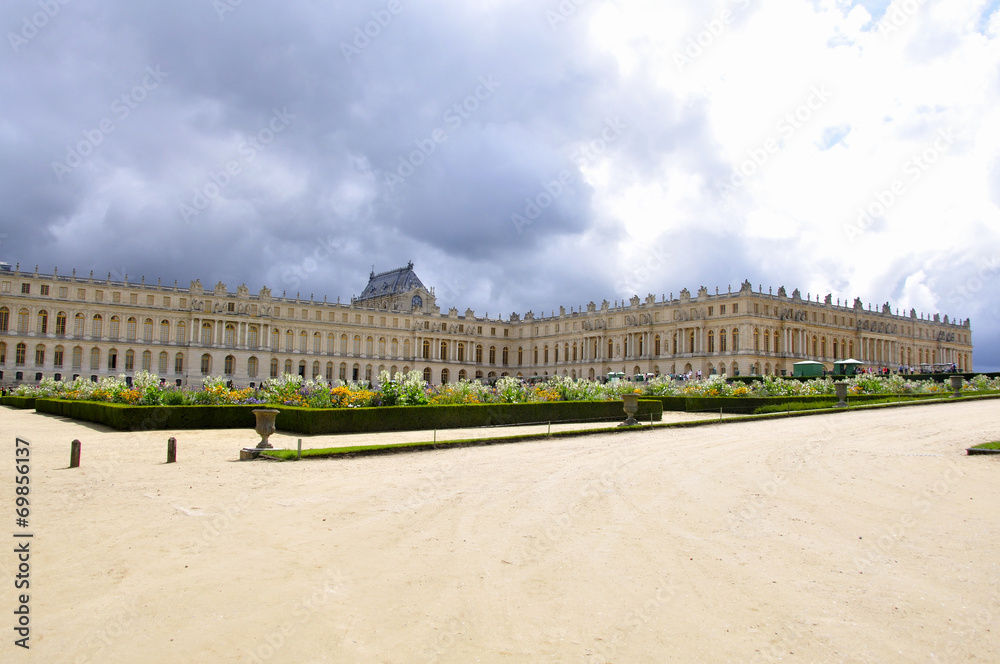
17 402
313 421
747 405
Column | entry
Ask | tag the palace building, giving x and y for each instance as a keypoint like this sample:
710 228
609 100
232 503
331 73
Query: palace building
64 327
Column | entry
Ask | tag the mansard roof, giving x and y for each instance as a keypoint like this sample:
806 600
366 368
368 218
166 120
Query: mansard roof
392 282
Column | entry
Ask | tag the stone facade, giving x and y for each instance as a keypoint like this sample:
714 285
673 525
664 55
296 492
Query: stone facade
68 326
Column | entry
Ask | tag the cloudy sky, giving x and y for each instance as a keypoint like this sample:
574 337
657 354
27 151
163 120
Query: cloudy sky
523 154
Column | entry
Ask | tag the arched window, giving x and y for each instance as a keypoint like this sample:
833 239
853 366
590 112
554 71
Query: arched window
3 352
357 346
161 367
330 343
288 366
182 330
130 360
850 349
534 355
736 344
253 337
394 347
315 370
406 349
114 328
426 349
61 324
206 334
545 353
767 342
479 353
711 341
147 330
229 365
57 357
369 346
493 354
206 364
164 331
343 371
22 321
329 371
5 318
230 335
722 341
147 360
444 376
39 355
289 341
130 328
611 350
79 321
776 350
444 352
77 358
505 358
461 352
756 340
303 341
814 346
179 363
822 346
427 374
520 355
95 359
462 374
675 344
43 322
656 345
381 347
113 358
252 369
343 345
274 368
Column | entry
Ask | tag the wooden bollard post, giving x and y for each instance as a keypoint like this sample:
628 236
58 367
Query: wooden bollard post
74 454
171 450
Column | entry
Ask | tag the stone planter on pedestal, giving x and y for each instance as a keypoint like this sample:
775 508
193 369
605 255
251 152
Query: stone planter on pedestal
265 425
956 385
841 388
631 407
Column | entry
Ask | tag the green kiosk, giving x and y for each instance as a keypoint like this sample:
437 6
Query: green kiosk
808 368
847 367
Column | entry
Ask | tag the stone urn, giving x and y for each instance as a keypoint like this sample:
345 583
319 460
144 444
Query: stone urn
956 385
265 425
631 407
841 388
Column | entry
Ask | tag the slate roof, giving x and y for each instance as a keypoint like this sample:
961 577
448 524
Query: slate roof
392 282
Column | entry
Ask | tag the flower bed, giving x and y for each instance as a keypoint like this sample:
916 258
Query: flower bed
147 389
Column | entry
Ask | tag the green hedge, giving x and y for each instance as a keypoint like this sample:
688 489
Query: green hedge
17 402
312 421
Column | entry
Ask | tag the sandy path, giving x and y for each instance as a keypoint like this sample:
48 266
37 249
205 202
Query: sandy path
850 537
